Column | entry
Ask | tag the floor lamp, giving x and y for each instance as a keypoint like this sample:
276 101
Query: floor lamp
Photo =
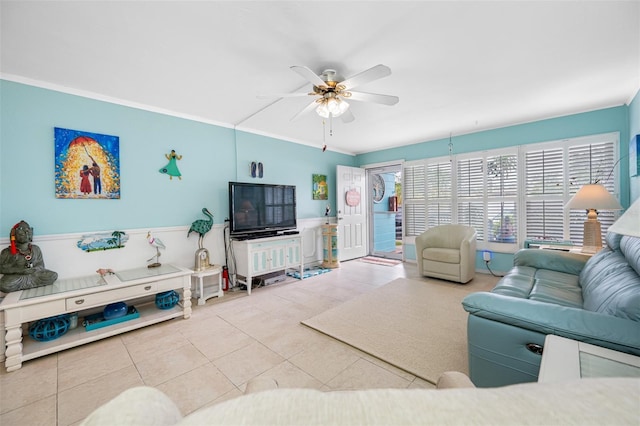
629 222
593 197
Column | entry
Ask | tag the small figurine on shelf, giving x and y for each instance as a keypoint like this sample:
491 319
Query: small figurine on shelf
158 244
327 212
22 263
105 271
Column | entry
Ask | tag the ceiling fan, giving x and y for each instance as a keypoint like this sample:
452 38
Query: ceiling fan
330 93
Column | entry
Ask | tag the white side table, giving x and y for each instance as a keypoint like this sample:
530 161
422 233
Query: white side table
565 359
200 289
568 249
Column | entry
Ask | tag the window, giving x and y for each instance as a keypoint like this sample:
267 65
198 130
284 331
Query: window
487 194
545 188
511 194
413 199
470 190
554 174
502 193
439 200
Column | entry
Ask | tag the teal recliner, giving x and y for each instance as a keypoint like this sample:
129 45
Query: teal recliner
596 301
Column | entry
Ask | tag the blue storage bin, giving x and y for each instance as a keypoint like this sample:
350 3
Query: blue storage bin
167 299
51 328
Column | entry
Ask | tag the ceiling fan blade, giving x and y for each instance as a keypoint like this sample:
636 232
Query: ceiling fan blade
347 116
374 97
281 95
366 76
313 105
309 75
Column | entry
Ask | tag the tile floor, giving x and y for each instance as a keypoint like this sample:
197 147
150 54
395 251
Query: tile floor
210 357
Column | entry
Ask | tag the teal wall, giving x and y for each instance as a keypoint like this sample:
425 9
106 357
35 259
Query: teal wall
212 156
634 115
634 129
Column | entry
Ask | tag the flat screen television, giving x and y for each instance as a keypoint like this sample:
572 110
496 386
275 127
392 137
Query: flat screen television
257 209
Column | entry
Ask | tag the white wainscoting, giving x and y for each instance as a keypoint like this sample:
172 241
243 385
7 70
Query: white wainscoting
61 253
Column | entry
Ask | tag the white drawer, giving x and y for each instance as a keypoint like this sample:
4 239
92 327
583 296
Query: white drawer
33 312
267 244
172 284
111 296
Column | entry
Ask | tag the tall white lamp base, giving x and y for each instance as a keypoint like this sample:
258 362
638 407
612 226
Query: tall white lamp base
592 241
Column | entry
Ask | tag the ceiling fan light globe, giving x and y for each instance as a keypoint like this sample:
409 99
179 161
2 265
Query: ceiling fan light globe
344 106
336 106
322 110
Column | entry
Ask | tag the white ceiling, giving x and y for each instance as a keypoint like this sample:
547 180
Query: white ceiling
457 66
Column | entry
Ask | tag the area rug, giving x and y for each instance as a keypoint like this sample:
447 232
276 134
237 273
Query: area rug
380 261
416 325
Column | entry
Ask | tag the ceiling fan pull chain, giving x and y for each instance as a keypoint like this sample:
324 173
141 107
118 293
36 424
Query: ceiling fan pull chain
330 124
324 136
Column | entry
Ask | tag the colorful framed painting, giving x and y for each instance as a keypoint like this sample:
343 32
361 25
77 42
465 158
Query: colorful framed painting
87 165
320 189
634 156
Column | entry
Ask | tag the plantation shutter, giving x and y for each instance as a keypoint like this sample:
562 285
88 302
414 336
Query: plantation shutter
590 163
439 202
502 193
488 191
544 192
470 191
413 199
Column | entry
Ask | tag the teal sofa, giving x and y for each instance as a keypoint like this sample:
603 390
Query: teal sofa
594 300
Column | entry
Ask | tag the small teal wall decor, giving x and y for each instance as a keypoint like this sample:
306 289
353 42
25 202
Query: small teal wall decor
171 168
87 165
103 241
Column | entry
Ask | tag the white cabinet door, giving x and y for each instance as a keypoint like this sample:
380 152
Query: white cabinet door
278 257
267 259
293 254
260 262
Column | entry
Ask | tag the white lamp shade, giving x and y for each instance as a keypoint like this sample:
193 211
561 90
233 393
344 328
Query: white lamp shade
629 222
593 196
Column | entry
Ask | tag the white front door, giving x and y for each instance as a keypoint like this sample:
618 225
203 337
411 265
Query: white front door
352 212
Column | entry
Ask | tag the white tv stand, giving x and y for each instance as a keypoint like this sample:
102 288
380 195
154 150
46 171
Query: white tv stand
88 295
255 257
